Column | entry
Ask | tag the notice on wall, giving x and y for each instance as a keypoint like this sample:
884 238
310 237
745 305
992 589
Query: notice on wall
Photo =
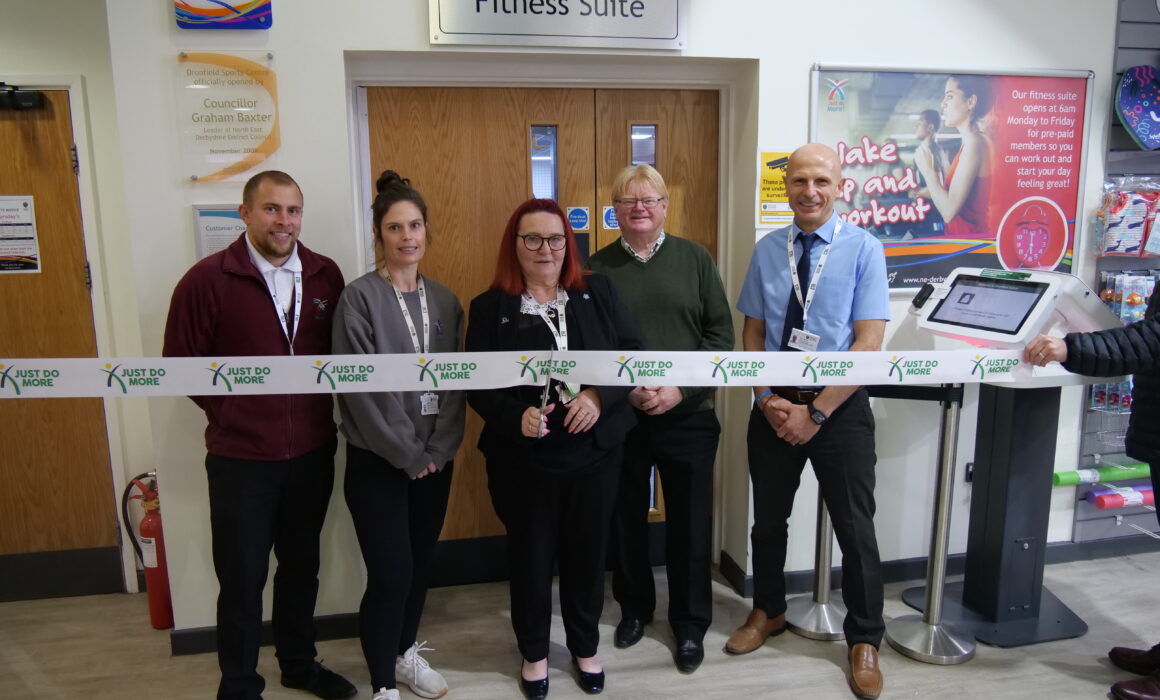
772 203
216 226
227 113
957 170
19 248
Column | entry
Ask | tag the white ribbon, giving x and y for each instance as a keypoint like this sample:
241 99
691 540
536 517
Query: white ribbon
311 374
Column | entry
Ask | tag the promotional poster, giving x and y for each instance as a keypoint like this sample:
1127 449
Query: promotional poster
956 170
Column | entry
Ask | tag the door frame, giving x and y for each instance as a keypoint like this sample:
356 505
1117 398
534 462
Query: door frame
94 253
733 79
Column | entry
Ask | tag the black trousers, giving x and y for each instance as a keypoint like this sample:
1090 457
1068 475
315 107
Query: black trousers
842 454
683 447
397 520
555 520
255 506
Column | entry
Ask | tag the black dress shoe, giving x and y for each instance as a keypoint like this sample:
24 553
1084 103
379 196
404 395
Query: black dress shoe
628 632
591 683
321 681
690 653
534 690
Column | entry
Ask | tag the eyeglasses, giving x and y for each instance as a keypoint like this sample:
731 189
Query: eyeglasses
630 202
534 241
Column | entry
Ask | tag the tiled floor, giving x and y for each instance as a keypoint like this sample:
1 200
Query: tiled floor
102 647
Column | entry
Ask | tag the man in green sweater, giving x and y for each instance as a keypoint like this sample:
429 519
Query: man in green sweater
674 292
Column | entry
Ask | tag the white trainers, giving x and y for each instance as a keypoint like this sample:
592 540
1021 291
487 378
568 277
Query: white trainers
413 669
385 694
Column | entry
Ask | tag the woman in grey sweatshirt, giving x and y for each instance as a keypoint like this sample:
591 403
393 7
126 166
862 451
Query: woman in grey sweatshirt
400 444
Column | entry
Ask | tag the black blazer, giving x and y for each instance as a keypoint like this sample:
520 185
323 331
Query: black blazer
604 324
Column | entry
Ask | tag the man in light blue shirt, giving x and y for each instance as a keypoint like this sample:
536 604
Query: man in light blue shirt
816 286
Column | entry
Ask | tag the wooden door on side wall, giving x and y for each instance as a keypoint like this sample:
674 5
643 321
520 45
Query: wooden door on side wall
58 523
469 151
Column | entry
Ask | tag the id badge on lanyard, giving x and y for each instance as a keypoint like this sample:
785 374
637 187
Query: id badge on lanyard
566 390
800 338
428 400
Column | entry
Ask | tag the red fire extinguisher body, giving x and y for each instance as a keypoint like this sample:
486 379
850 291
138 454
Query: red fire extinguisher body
153 557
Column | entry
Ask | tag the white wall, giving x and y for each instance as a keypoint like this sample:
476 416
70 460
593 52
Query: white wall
767 99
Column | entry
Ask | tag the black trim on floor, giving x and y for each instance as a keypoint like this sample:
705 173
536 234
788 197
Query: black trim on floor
70 572
202 640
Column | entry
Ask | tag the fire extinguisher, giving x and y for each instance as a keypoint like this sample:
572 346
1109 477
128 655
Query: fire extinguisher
152 553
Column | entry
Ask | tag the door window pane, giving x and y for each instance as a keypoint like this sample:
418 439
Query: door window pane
644 144
543 150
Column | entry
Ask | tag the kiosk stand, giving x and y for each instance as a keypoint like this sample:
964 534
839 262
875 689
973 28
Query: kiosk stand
816 616
1001 600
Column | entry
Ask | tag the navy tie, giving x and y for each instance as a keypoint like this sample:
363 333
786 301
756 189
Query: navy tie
793 311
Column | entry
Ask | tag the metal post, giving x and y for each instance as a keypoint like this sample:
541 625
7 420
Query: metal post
816 616
927 638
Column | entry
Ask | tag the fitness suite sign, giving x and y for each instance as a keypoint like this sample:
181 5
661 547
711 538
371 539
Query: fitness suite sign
638 24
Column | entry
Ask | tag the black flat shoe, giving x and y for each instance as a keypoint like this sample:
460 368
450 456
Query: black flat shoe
534 690
628 632
690 653
591 683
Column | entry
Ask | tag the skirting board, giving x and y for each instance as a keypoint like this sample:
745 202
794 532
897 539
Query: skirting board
57 574
915 569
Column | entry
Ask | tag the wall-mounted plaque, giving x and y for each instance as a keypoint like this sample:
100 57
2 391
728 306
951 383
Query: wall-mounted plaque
227 113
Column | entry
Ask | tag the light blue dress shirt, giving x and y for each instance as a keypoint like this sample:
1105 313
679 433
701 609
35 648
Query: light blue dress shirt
853 285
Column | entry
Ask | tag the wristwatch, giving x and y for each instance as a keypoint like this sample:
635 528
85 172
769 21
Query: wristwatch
815 415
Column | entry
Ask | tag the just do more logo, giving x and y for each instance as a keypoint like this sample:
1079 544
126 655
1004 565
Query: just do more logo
984 366
341 374
430 369
224 375
902 367
126 377
13 378
735 368
641 368
814 367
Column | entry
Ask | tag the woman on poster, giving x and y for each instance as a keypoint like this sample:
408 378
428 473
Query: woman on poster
963 199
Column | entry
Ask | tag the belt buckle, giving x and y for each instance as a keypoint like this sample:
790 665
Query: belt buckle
807 395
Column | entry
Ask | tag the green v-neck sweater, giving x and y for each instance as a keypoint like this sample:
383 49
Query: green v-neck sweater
677 300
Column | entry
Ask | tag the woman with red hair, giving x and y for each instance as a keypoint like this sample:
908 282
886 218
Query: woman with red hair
552 472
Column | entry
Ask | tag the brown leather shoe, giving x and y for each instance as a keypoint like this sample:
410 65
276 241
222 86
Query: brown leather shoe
1146 688
757 628
865 677
1141 661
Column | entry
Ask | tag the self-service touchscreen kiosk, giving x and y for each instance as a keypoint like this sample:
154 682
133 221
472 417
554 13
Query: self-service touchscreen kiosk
1007 308
1001 599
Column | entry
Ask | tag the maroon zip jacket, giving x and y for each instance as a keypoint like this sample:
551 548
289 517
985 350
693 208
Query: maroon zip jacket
222 307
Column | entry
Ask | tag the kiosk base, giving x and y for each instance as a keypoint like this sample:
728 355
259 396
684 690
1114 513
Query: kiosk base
1055 620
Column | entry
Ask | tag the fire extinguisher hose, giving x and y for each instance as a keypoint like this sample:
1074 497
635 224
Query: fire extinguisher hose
125 512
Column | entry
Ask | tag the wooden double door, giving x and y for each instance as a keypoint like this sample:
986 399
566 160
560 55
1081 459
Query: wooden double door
473 153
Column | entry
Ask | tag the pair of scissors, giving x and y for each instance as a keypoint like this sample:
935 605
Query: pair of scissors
546 392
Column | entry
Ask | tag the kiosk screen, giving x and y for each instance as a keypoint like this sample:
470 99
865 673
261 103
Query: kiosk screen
997 305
